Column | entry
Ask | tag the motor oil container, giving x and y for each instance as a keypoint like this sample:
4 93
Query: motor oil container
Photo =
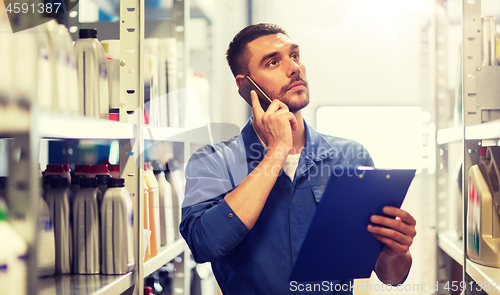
13 257
102 182
58 169
46 248
92 75
75 183
483 222
100 169
154 212
166 216
112 52
86 227
117 235
60 199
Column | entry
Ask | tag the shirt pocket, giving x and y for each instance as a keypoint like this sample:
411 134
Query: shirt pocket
317 191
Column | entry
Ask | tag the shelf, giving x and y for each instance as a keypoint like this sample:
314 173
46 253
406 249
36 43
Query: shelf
62 126
85 284
448 135
489 130
453 247
482 274
165 255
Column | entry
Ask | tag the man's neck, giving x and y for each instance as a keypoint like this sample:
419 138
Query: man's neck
298 135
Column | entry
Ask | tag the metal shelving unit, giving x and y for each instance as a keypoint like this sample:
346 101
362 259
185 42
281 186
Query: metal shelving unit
26 125
478 92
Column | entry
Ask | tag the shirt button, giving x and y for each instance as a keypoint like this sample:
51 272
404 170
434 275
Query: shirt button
220 200
230 215
308 162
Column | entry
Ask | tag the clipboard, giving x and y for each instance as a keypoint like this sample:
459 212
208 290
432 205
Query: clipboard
337 245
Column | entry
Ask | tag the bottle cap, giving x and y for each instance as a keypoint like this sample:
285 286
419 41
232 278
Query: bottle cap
48 178
82 168
483 150
88 182
102 179
3 182
114 168
99 169
75 179
116 182
148 291
88 33
58 182
158 167
56 168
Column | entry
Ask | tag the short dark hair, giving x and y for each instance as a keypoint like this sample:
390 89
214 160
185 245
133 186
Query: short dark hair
236 53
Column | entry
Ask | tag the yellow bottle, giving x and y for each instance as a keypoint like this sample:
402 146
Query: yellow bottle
154 211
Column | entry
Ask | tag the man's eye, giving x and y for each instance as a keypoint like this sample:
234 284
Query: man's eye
273 63
295 56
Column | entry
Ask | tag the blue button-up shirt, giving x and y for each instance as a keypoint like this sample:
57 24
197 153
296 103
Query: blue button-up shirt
260 261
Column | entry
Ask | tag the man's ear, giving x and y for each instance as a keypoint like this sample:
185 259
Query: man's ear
239 79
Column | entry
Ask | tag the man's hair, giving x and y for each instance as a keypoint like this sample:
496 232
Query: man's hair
237 53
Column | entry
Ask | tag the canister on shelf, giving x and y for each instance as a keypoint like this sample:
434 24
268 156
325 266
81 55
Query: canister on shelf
117 229
483 221
86 228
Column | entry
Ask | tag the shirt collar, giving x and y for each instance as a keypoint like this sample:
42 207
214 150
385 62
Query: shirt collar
316 147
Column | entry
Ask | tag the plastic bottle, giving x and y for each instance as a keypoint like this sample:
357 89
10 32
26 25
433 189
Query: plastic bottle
59 199
154 212
46 183
114 170
75 183
86 228
117 234
58 169
13 262
147 242
82 170
58 68
166 218
101 169
92 75
46 248
176 203
26 48
102 182
112 52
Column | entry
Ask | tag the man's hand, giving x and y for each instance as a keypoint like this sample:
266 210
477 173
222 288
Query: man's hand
275 125
397 235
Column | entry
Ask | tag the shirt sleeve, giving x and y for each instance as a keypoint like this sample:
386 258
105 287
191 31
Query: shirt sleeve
209 226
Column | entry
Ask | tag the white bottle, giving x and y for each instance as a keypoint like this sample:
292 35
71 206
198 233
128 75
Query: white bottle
86 228
102 182
59 199
92 75
25 68
112 52
58 169
58 68
13 257
166 217
117 229
46 248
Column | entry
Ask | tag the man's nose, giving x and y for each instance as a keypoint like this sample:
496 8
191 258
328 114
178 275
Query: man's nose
293 68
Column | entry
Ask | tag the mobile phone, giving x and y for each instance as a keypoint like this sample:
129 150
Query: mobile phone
247 85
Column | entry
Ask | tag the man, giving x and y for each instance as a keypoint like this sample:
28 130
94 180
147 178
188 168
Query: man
250 200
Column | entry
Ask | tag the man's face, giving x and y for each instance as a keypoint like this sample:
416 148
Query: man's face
274 64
